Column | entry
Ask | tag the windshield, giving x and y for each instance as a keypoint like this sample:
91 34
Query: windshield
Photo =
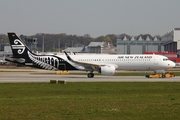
165 59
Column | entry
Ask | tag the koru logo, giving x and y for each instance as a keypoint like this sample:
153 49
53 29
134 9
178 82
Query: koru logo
19 46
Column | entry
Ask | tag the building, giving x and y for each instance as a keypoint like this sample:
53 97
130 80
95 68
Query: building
138 45
75 49
7 52
171 40
101 47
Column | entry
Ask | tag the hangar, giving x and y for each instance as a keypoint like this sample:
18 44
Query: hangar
138 45
171 40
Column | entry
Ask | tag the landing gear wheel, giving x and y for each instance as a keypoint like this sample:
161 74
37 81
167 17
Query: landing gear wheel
163 76
147 76
90 75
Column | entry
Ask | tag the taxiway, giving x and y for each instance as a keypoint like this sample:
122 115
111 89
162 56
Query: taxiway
36 76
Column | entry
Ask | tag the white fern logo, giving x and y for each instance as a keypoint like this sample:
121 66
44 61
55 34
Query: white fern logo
18 45
43 61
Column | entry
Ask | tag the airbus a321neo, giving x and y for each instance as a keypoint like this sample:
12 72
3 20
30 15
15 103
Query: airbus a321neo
104 64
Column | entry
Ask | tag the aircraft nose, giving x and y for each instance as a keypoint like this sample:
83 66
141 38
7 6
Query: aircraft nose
171 64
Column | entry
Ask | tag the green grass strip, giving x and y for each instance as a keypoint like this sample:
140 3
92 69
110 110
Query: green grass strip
90 101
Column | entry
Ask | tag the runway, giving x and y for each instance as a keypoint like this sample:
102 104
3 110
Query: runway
36 76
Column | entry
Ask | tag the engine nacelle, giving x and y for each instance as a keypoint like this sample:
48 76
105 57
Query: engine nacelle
107 70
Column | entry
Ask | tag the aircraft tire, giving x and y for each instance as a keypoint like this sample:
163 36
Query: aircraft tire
163 76
147 76
90 75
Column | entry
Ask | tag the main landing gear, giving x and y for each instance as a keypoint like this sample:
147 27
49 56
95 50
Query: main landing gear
90 75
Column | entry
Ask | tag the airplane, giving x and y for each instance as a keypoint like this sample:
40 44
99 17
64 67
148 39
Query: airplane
102 63
3 62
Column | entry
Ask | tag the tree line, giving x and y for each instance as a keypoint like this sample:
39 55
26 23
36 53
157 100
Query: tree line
52 42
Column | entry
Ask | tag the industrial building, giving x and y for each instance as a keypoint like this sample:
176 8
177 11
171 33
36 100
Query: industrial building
101 47
171 40
138 45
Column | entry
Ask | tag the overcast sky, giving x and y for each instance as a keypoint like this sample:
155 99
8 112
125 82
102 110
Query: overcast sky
94 17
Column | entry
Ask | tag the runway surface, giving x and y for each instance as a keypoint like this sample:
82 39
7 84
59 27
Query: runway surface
39 76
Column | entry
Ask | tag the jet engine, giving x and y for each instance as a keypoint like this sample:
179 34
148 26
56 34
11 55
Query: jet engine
107 70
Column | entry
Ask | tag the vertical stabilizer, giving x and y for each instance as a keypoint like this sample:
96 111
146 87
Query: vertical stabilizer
19 50
18 47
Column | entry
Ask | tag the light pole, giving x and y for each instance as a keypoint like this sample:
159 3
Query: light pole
65 45
43 45
72 43
59 44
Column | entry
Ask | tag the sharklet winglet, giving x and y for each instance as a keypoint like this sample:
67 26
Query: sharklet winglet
68 57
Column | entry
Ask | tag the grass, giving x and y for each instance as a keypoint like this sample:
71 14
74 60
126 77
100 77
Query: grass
90 101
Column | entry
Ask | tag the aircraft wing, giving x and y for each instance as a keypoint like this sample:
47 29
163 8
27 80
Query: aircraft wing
89 66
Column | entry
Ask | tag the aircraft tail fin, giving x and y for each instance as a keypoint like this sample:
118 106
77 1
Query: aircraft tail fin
19 50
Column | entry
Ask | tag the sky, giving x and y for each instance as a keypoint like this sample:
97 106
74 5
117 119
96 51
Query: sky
93 17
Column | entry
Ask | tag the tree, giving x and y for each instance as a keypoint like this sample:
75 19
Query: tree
107 39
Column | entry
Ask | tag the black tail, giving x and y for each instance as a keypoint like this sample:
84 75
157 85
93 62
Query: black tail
18 47
19 50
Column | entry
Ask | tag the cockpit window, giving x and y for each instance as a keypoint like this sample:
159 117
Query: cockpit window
165 59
